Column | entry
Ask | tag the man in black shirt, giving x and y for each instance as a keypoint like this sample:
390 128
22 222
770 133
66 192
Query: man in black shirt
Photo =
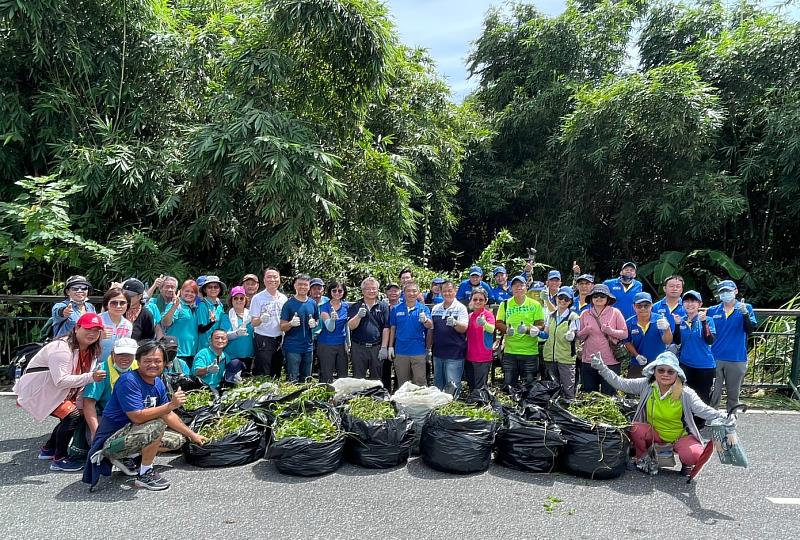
368 320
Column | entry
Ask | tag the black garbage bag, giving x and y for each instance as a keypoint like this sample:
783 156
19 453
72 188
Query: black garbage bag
378 444
457 444
187 417
537 392
186 382
528 445
529 411
301 456
240 448
595 451
628 406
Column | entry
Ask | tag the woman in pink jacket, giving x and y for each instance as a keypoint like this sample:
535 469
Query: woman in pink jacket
600 326
52 383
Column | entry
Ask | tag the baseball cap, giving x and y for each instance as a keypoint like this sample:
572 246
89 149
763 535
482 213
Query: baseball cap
585 277
250 276
642 297
90 320
125 345
553 274
726 285
437 280
475 271
627 264
499 270
391 286
132 287
692 294
201 280
565 291
170 343
521 279
536 286
238 291
316 281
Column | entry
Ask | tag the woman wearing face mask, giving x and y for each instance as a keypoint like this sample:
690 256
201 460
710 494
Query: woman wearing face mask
180 321
697 334
211 310
67 312
667 409
240 330
115 325
601 326
144 326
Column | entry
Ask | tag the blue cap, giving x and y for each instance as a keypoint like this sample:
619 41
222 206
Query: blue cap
499 270
553 274
437 280
316 281
536 286
521 279
475 271
201 280
726 285
565 291
642 297
692 294
585 277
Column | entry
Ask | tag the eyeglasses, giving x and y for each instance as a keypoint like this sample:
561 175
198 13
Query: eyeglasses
212 286
239 298
479 300
118 303
665 371
79 288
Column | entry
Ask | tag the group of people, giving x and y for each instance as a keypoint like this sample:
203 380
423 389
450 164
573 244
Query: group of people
104 368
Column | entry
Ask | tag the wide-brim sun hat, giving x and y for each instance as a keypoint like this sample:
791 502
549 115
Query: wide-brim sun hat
667 359
214 279
602 288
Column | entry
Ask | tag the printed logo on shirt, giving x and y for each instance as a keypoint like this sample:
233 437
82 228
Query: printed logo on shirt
717 316
150 402
636 331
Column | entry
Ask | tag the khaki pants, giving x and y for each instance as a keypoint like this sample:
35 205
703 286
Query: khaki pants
410 368
132 438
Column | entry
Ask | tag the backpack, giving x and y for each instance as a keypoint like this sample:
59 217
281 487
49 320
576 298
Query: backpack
21 357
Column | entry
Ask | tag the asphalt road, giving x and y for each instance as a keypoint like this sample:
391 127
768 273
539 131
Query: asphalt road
407 502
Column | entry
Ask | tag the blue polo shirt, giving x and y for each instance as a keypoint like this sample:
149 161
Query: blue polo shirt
409 333
662 308
731 342
499 294
131 393
299 339
465 290
647 340
447 341
339 334
694 351
580 308
624 295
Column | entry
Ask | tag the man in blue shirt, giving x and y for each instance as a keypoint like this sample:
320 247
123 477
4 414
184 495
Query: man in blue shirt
584 283
734 321
409 323
501 291
671 305
475 280
299 318
648 335
135 421
625 287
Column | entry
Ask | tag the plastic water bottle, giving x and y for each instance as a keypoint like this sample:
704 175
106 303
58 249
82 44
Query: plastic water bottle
17 373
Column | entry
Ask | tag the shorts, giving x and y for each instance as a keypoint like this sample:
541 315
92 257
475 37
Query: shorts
132 438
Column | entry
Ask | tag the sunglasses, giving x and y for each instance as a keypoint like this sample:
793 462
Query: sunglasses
642 305
665 371
337 290
212 286
599 296
79 288
237 298
118 303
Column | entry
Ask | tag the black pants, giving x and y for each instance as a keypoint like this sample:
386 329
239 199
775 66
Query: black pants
476 374
269 356
519 366
591 381
701 380
62 434
331 357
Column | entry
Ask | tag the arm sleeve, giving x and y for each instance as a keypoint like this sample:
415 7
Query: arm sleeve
629 386
749 321
285 312
676 335
709 331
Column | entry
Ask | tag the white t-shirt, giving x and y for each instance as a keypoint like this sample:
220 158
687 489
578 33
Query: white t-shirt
264 302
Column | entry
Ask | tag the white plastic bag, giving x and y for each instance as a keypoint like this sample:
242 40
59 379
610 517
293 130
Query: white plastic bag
416 402
348 386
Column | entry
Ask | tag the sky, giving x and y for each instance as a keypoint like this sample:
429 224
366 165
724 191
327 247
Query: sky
447 29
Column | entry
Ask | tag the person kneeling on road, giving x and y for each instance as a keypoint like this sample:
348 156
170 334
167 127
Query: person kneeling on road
135 422
666 409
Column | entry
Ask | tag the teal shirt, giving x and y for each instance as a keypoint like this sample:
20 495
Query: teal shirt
184 329
205 358
204 311
240 346
100 391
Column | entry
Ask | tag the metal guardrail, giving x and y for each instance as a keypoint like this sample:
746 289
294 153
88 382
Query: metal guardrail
773 349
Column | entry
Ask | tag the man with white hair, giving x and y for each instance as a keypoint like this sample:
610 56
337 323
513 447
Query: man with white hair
368 321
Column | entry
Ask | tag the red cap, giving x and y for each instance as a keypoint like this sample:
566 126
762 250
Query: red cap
90 320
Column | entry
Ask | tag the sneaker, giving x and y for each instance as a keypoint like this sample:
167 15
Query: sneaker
151 480
686 470
46 454
125 466
66 465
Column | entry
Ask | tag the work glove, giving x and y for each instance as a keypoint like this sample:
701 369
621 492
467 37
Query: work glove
543 335
522 328
597 361
265 317
422 317
391 353
451 321
662 324
570 335
534 331
362 312
383 354
241 331
510 331
742 307
295 321
641 359
481 320
573 316
213 368
334 315
312 322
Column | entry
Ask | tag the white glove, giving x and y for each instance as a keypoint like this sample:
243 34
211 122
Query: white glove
362 312
522 328
241 331
264 314
570 335
597 361
742 307
510 331
383 354
662 324
422 317
573 316
451 321
641 359
312 322
213 368
534 331
334 315
391 353
295 322
481 320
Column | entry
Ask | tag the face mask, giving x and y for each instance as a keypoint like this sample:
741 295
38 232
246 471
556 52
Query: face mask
626 279
119 369
727 297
